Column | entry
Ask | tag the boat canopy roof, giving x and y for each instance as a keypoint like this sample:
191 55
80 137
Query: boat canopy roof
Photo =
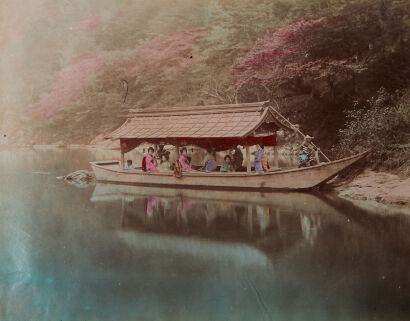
217 126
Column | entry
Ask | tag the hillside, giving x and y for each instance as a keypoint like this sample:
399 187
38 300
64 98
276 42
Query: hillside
71 72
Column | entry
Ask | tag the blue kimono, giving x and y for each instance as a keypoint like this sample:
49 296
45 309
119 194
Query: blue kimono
210 166
258 162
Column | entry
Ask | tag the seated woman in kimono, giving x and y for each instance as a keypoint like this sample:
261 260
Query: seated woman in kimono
209 161
183 160
226 165
165 165
149 161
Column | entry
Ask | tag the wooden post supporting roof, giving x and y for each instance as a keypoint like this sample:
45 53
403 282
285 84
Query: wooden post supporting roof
122 160
248 159
276 156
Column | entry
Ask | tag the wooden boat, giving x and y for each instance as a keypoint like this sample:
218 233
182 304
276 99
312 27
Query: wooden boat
292 179
219 127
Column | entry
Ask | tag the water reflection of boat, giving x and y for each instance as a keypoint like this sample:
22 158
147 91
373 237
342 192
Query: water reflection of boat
292 201
270 220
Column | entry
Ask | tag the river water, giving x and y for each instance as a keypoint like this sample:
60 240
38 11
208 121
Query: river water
106 252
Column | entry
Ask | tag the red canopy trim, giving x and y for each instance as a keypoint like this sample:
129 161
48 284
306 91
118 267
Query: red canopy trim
218 143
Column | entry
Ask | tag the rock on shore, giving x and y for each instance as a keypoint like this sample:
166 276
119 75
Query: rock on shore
378 186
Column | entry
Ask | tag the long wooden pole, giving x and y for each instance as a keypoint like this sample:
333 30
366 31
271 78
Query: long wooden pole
298 131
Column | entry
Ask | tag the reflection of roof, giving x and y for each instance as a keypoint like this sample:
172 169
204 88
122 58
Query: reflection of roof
238 120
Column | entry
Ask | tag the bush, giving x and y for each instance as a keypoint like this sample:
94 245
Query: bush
382 124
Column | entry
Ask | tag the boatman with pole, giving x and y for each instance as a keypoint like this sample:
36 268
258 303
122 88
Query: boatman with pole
308 153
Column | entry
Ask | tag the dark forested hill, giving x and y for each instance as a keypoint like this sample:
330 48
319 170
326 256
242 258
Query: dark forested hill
76 68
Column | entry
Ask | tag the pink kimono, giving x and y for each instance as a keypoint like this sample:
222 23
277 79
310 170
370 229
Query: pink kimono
149 164
184 164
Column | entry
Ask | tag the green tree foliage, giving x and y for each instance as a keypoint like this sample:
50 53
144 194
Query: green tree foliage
381 124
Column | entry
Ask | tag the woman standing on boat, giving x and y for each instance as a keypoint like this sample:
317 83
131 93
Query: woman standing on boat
184 161
258 159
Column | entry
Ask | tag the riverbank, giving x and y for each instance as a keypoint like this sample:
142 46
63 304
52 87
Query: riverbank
381 187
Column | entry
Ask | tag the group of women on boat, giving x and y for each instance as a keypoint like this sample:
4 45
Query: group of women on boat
231 162
307 156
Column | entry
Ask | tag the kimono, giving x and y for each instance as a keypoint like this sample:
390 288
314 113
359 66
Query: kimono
306 149
177 169
306 154
264 162
210 163
258 161
165 166
225 167
150 164
184 164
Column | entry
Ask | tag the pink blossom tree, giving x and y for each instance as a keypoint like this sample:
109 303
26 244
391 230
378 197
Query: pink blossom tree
69 86
167 56
289 53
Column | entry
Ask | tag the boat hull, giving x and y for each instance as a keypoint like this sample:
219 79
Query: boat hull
292 179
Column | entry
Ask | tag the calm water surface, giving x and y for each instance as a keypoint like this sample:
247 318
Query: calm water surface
107 252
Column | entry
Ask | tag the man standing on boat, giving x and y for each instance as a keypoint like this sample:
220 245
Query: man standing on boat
307 153
237 158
